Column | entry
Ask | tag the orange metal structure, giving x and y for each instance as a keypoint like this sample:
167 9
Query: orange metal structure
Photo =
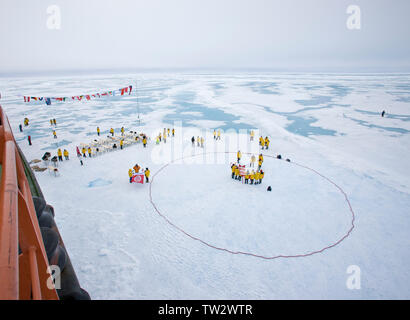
23 261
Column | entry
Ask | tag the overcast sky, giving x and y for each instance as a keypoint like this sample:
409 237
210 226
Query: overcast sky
296 35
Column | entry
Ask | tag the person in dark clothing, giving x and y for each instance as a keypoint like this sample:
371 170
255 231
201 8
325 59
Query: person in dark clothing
383 113
193 141
21 127
29 140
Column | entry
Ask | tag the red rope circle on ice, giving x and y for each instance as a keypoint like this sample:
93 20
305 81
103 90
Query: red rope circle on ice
250 253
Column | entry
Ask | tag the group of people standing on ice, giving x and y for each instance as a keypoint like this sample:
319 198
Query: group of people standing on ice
248 177
163 136
199 141
136 169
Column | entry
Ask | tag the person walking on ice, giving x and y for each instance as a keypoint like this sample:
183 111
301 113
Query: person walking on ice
267 143
233 167
252 135
261 141
202 142
60 155
130 174
261 175
147 172
219 135
247 176
98 131
173 132
144 141
252 176
253 160
89 152
122 131
257 177
84 151
237 173
66 154
260 161
239 155
121 143
55 134
112 132
193 141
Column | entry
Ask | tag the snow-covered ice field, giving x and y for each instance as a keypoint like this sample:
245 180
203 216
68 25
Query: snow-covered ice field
122 248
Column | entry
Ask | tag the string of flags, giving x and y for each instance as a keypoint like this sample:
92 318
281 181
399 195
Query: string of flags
48 100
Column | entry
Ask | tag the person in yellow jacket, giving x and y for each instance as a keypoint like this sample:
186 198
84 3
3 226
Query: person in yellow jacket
233 167
261 141
252 135
55 134
121 143
267 143
219 135
253 160
259 164
173 132
60 155
164 137
83 150
130 174
157 142
237 174
147 173
260 157
168 130
239 156
202 142
66 154
112 132
252 176
214 134
261 175
144 141
98 131
257 175
247 176
122 131
89 152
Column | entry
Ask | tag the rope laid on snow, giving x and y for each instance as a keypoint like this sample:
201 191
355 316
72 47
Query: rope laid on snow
250 253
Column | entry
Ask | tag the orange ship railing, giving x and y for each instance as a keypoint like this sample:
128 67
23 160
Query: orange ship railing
23 261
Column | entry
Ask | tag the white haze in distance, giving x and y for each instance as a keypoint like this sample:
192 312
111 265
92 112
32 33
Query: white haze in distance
291 35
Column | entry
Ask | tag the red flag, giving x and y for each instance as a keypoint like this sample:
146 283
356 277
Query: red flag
138 178
123 90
